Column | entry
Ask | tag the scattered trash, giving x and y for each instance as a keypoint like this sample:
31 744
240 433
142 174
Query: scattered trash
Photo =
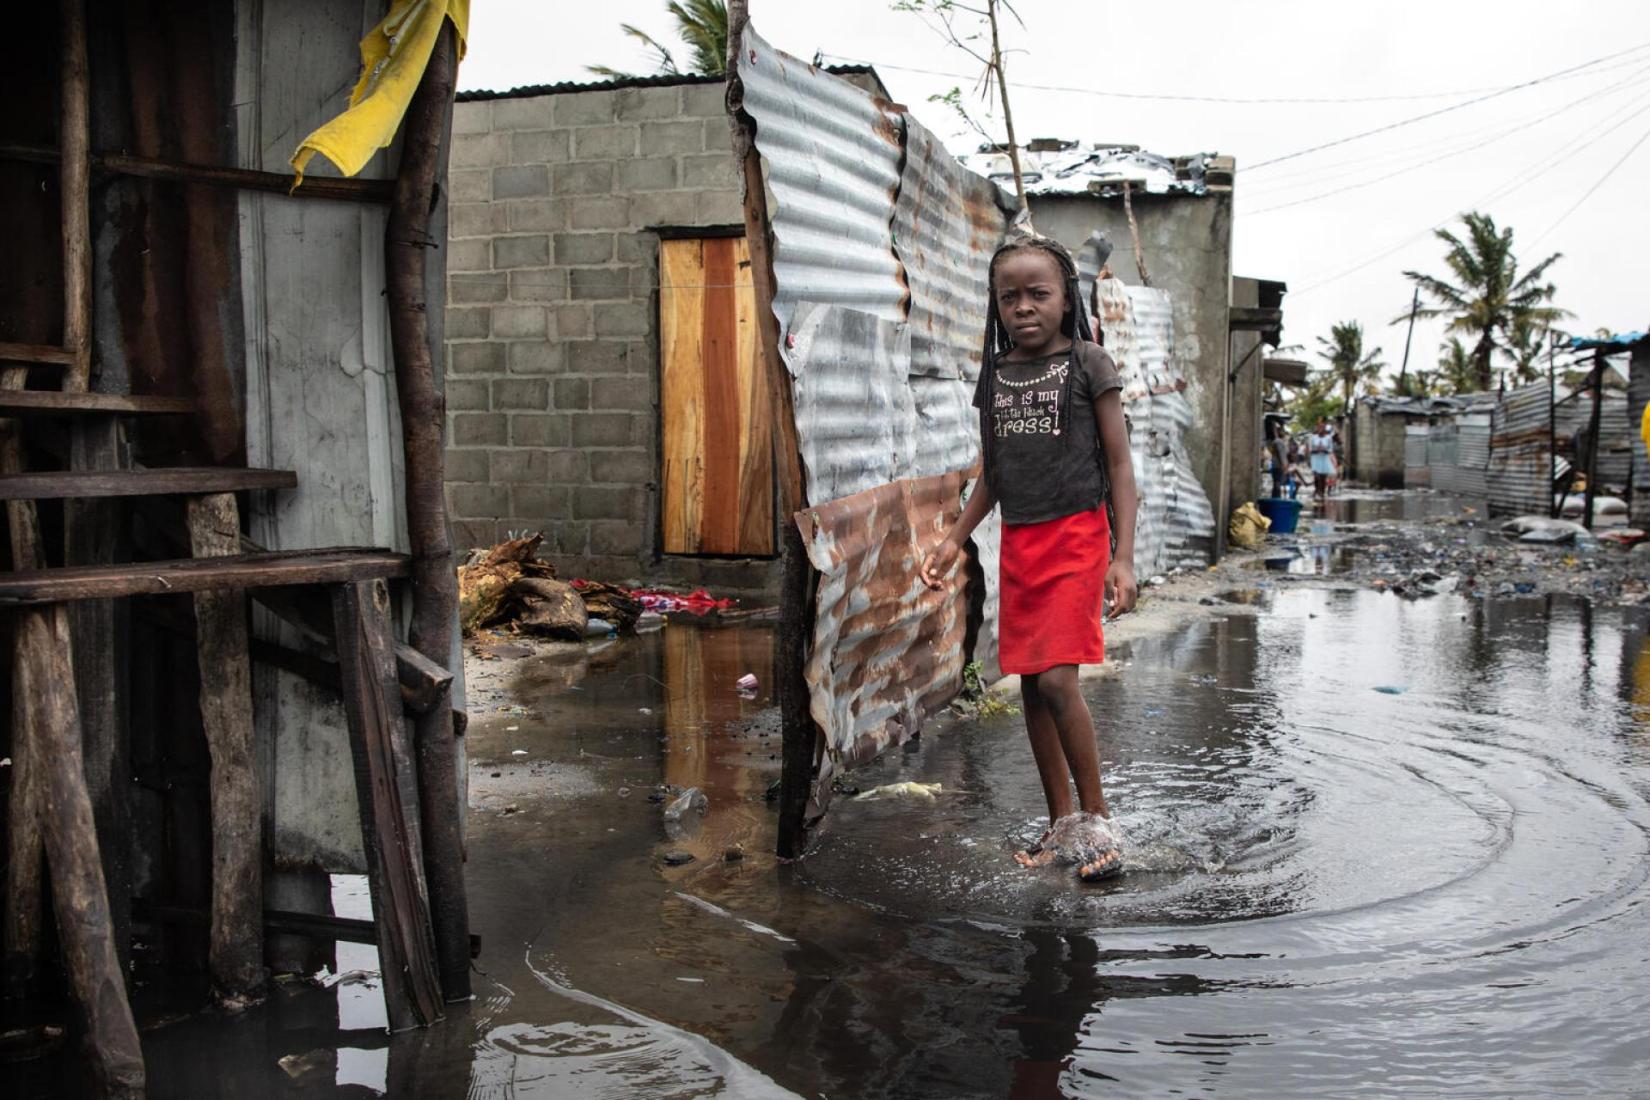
697 602
746 685
624 792
511 809
675 857
695 981
908 789
509 584
685 813
1247 529
511 729
772 793
733 854
300 1065
518 752
611 604
1390 689
598 628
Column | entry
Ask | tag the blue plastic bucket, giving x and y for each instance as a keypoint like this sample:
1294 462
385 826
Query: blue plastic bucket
1284 514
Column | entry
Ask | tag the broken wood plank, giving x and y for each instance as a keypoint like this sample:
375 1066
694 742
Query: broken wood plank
424 684
388 810
155 578
172 481
235 954
58 403
40 355
44 676
277 183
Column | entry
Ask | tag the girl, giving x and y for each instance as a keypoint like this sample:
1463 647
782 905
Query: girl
1321 445
1056 453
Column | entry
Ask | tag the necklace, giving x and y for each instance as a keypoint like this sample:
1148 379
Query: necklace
1053 372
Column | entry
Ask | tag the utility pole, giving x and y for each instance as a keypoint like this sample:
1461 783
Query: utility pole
1414 308
1552 433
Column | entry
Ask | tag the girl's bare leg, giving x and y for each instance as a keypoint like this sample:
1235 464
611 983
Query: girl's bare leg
1061 700
1051 763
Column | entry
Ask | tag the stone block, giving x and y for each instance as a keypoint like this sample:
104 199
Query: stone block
664 208
530 394
583 248
633 318
478 358
480 150
601 430
534 215
640 248
706 100
467 324
524 251
618 538
583 178
621 467
474 501
540 430
599 212
515 464
467 395
710 170
607 502
536 357
470 534
476 219
645 174
477 288
598 357
541 146
640 357
538 284
569 537
621 393
519 322
572 321
466 465
470 254
598 283
523 113
567 466
663 139
720 208
585 108
538 503
605 142
718 135
521 181
472 118
470 185
480 429
571 395
638 104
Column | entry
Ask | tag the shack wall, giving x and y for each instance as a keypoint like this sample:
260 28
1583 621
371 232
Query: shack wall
1187 244
1378 452
1243 417
1638 396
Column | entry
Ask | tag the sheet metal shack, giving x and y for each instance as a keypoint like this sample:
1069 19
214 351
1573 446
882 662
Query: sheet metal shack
204 386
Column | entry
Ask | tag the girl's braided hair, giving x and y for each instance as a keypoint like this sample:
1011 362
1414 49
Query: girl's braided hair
1074 325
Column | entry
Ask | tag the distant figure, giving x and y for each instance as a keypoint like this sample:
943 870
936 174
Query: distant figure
1277 443
1056 454
1320 448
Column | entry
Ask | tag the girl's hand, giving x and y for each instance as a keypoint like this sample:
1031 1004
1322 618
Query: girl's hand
1121 591
941 560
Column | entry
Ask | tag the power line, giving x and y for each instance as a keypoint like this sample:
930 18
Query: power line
1174 97
1516 128
1445 110
1601 181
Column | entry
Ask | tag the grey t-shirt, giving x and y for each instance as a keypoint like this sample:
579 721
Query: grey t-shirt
1043 457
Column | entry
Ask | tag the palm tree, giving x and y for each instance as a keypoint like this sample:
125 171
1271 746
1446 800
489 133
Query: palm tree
1488 297
1456 371
702 25
1348 365
1526 344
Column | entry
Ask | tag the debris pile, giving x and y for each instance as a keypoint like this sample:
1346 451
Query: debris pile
509 585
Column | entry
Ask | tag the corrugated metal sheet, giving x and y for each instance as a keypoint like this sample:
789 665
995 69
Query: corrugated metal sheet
1520 474
1638 395
887 651
881 243
1175 525
1416 472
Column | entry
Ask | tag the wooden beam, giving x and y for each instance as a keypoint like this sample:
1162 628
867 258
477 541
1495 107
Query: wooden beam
384 785
45 676
75 195
235 952
171 481
244 179
36 354
157 578
58 403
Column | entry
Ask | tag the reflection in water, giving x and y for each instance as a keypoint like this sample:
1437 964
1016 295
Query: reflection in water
1333 890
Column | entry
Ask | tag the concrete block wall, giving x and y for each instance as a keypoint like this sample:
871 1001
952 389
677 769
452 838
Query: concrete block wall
552 312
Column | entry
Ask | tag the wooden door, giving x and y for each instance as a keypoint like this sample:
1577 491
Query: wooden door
717 495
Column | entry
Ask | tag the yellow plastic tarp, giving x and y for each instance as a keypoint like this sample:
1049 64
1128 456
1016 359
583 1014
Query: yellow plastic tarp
393 57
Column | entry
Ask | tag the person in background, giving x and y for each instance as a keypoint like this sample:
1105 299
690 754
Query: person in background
1320 450
1277 444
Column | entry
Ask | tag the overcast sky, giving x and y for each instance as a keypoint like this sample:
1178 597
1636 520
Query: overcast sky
1526 157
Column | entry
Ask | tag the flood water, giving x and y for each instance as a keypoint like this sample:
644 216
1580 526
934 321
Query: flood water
1377 847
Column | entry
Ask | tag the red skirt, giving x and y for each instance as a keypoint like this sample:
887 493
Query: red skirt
1052 582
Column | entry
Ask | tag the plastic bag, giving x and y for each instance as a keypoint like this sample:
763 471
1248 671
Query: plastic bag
1248 528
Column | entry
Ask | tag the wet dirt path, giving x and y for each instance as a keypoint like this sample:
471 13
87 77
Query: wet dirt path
1377 845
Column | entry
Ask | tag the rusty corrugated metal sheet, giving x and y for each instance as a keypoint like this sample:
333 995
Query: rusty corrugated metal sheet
1517 478
887 652
1175 525
881 244
1638 395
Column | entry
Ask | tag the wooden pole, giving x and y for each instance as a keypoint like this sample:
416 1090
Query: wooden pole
1134 233
74 175
45 676
1008 115
235 954
801 735
434 581
1592 439
1414 308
